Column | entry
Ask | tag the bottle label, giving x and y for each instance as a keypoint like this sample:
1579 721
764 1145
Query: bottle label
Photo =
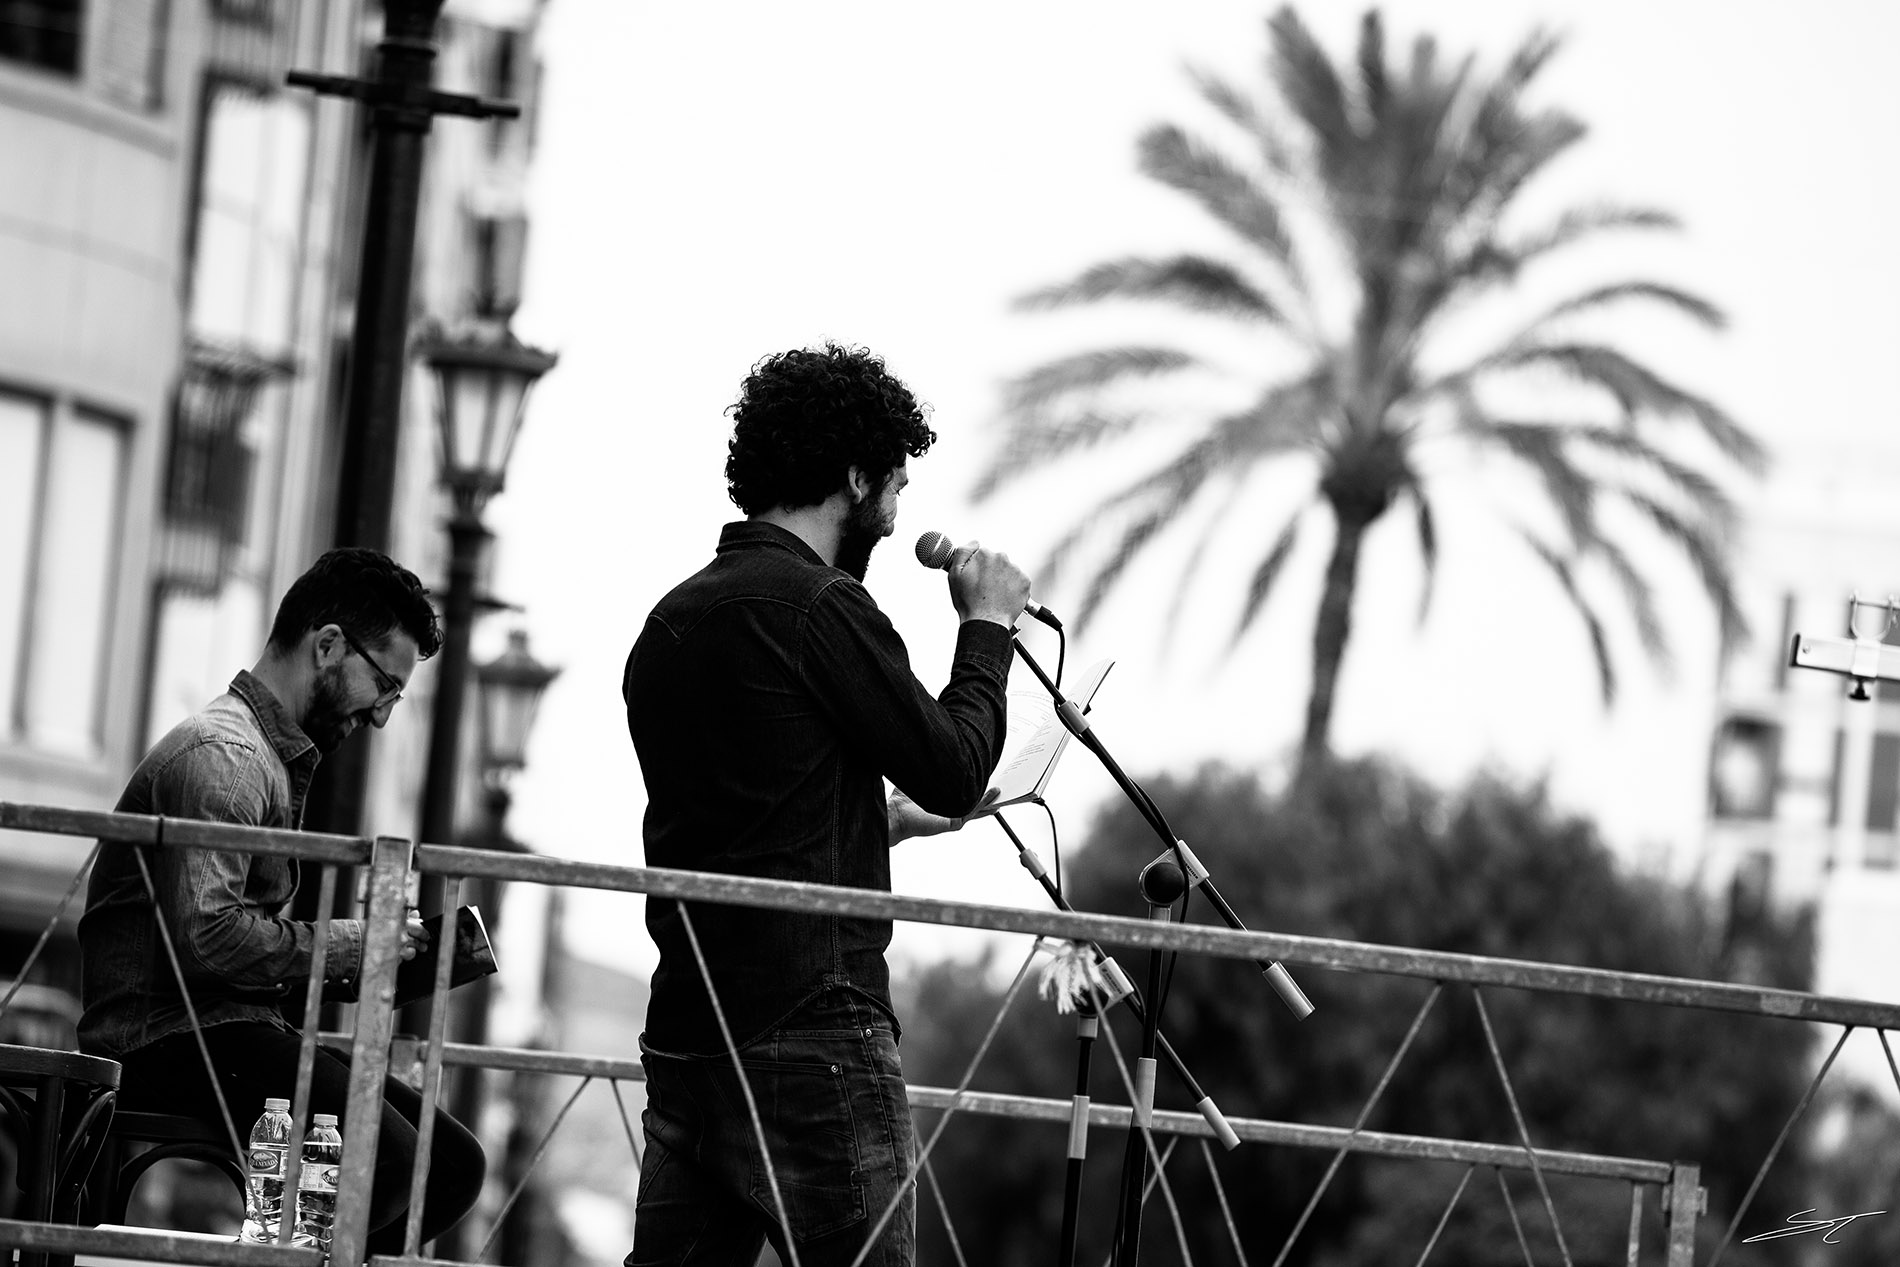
318 1177
266 1162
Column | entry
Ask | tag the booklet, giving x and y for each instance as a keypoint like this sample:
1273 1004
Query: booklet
1034 741
474 957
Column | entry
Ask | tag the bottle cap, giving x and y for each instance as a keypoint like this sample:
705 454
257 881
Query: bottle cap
274 1105
323 1119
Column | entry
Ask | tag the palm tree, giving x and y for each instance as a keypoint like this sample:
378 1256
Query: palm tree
1405 175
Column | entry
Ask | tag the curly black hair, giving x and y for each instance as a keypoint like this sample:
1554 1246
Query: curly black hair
364 591
804 417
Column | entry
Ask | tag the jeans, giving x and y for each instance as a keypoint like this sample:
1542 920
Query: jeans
829 1089
258 1061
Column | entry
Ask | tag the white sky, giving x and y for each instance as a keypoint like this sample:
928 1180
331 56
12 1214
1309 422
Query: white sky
719 181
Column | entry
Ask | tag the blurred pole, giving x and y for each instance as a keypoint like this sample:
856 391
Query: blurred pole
400 118
403 106
521 1232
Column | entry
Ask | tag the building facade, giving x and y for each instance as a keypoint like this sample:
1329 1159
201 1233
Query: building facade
179 235
1804 786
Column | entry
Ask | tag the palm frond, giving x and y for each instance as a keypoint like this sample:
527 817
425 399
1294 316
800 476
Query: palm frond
1579 223
1526 61
1286 416
1708 497
1192 281
1571 492
1189 570
1373 87
1135 534
1168 490
1560 568
1637 390
1244 113
1426 524
1264 575
1709 559
1304 74
1086 371
1691 305
1036 438
1641 597
1039 430
1171 156
1536 143
1162 494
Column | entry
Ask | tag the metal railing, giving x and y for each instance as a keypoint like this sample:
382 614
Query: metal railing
391 864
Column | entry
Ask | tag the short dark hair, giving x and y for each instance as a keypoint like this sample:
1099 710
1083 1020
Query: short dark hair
804 417
365 592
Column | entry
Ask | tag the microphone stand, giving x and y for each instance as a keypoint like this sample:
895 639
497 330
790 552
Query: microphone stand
1162 881
1170 876
1197 876
1087 1023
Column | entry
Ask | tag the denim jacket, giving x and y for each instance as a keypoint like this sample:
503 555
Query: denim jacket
241 760
768 699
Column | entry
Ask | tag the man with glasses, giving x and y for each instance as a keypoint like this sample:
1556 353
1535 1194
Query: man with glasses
347 636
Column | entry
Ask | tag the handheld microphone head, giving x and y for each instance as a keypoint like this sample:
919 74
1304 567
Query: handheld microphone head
934 550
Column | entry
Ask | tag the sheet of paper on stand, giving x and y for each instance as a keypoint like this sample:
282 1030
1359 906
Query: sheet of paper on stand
1035 740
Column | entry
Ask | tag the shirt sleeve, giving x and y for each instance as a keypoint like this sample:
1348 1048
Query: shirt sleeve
201 892
939 750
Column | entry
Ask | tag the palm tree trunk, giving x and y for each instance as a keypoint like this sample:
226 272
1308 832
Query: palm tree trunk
1331 628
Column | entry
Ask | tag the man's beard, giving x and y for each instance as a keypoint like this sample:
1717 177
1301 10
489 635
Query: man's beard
326 721
864 527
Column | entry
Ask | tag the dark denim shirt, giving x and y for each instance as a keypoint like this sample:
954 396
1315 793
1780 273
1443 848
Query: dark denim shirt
768 699
241 760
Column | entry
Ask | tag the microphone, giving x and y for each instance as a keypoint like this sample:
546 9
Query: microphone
934 551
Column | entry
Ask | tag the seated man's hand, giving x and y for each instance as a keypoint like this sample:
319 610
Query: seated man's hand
415 938
908 819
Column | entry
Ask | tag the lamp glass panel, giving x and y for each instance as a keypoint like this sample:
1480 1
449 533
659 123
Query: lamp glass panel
484 410
510 707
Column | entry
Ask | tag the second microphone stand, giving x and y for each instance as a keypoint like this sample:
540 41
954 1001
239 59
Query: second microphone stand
1188 873
1119 989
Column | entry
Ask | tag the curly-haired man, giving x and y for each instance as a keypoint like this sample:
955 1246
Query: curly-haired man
346 638
769 699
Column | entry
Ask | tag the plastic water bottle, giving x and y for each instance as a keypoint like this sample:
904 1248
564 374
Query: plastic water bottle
316 1183
264 1172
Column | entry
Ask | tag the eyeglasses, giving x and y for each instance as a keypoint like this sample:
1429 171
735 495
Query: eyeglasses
391 684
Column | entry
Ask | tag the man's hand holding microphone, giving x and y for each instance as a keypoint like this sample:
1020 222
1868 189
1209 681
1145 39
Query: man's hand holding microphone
984 584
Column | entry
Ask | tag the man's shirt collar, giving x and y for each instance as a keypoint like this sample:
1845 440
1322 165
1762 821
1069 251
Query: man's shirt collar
272 718
749 534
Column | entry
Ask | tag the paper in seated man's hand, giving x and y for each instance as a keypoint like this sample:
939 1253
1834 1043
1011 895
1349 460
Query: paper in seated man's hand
908 819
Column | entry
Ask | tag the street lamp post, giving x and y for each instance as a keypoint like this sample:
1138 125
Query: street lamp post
402 106
483 382
484 391
509 692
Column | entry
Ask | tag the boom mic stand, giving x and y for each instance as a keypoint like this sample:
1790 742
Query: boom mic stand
1087 1024
1078 725
1192 874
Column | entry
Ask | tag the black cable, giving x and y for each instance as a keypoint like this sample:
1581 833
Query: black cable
1055 843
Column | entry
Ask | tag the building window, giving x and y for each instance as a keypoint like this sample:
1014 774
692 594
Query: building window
1745 768
130 63
499 245
1883 784
61 494
258 13
42 33
208 474
503 81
